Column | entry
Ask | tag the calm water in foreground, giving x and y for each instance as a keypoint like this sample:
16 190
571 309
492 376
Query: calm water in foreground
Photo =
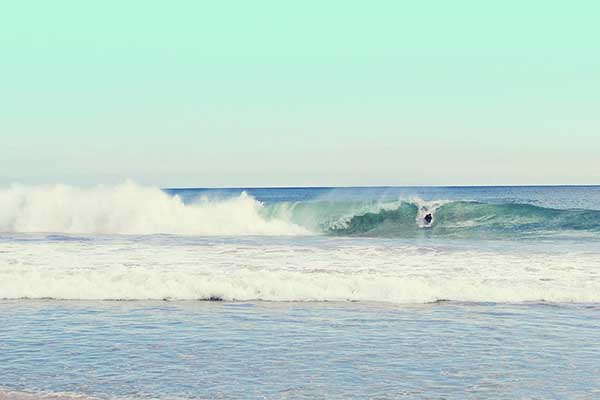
301 350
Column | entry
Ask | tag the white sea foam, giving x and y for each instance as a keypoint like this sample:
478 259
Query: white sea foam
129 208
6 394
314 270
426 207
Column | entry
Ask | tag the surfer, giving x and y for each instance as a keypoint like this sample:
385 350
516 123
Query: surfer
428 218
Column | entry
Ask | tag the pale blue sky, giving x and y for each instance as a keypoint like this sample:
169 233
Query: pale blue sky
232 93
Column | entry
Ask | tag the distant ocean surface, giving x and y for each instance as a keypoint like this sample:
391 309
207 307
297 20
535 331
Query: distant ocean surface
135 292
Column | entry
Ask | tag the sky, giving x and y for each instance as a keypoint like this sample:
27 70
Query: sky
311 93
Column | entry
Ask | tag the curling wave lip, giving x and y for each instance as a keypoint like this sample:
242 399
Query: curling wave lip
130 208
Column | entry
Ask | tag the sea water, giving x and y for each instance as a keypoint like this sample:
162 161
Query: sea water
129 291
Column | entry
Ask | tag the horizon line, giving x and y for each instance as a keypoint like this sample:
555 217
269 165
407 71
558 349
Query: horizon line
379 186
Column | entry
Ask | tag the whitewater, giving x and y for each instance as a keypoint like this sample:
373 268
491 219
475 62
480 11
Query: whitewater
310 269
130 209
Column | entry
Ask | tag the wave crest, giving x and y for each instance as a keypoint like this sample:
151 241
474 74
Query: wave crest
130 208
465 219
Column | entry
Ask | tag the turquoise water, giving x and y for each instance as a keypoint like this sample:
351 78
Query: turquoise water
131 292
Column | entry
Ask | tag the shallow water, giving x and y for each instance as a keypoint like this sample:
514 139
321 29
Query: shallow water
300 350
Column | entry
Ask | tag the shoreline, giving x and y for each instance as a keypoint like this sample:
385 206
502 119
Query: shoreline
7 394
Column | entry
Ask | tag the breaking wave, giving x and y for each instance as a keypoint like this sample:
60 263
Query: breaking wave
463 219
448 219
133 209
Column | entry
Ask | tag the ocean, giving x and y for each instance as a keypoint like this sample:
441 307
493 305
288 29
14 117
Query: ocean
136 292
